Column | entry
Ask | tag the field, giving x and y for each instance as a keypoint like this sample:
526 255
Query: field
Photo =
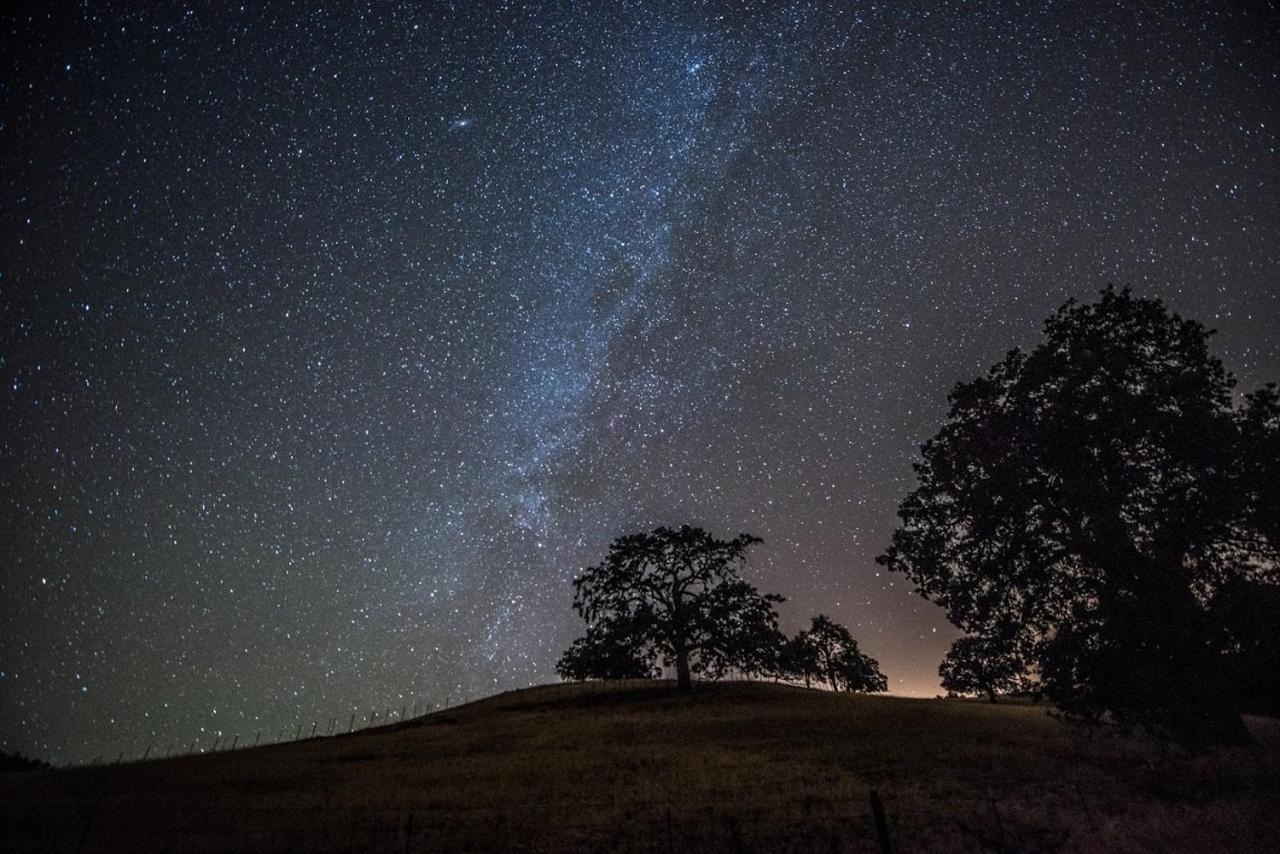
637 767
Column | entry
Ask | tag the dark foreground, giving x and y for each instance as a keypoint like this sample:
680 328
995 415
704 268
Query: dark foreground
735 767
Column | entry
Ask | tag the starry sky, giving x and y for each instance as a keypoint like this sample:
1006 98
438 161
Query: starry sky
336 338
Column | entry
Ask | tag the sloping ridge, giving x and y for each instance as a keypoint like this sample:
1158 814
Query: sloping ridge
636 766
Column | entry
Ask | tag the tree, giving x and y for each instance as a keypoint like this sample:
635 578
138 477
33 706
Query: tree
605 652
976 665
798 660
827 652
1083 502
745 638
674 596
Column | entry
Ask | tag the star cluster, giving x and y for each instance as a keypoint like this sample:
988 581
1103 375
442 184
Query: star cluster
335 340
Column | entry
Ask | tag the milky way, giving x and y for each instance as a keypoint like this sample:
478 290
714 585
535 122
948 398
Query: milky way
334 343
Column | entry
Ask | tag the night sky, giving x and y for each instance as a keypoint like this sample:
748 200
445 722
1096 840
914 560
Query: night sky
333 343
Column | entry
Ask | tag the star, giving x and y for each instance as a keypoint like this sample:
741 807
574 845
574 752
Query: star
335 346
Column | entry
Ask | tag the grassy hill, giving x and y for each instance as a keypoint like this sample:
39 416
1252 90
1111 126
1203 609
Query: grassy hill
636 767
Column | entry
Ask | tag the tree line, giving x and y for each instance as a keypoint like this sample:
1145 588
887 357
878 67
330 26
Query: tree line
1100 516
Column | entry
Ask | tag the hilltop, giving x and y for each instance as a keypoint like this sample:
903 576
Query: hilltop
637 767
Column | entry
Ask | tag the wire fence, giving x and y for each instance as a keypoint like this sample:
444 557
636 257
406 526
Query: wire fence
831 824
858 820
366 717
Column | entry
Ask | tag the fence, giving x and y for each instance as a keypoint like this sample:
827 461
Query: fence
346 723
375 716
838 825
856 821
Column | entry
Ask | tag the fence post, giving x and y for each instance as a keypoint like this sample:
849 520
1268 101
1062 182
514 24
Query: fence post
235 741
147 753
415 708
215 744
402 718
352 726
995 812
256 737
882 823
330 732
297 734
313 729
88 823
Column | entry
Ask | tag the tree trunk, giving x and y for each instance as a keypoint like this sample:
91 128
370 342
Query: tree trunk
683 681
680 640
991 696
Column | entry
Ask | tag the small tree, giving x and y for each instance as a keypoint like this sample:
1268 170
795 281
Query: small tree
827 652
604 652
798 660
977 665
674 596
857 671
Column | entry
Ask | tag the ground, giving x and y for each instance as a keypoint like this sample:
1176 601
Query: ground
638 767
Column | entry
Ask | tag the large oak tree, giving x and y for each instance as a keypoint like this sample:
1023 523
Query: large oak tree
672 596
1085 502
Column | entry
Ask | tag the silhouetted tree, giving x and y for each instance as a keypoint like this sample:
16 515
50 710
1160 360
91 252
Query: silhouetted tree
976 665
1084 501
606 651
745 638
827 652
673 596
798 660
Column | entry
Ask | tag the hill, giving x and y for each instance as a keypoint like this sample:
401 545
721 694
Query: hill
637 767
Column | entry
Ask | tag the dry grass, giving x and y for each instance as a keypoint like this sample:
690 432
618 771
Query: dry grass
735 767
